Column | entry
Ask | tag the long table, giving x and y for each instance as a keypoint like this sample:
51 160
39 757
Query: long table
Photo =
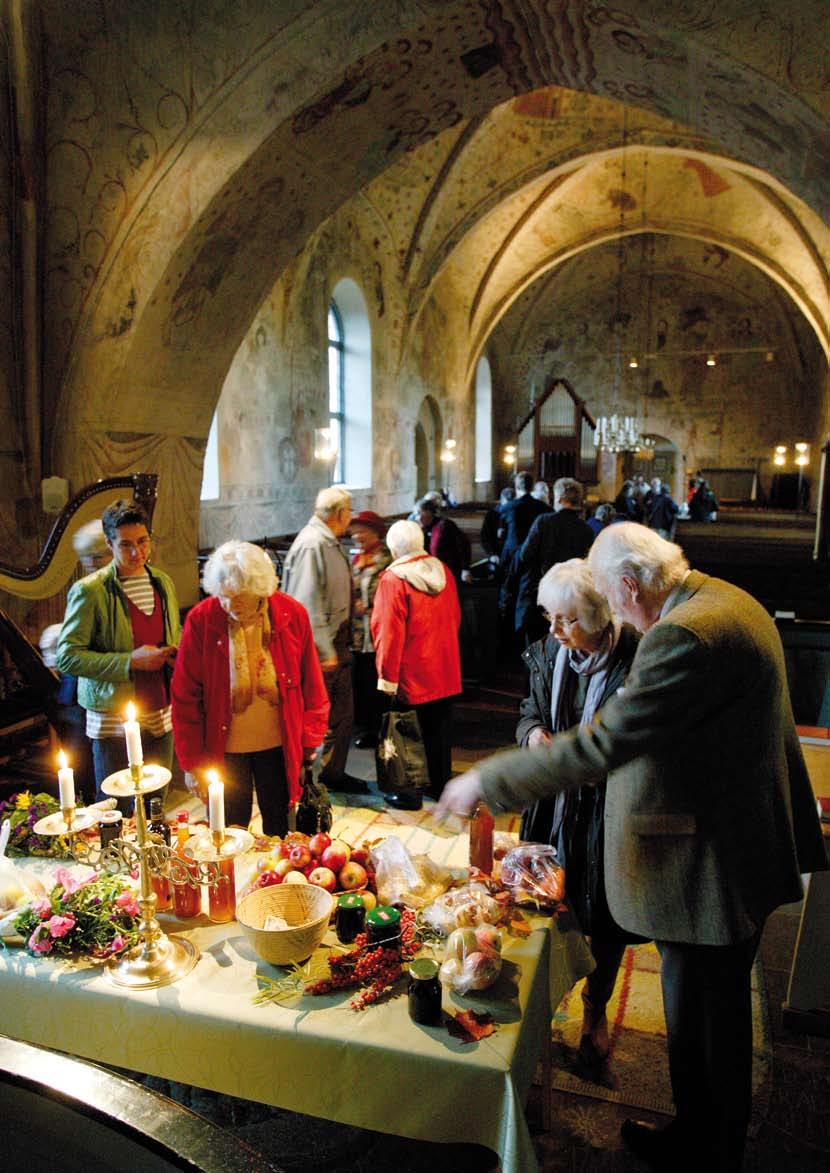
374 1069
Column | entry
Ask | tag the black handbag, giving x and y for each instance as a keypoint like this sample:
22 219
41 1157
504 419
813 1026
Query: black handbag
314 807
400 757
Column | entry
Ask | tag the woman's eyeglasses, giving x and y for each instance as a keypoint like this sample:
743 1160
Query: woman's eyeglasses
561 621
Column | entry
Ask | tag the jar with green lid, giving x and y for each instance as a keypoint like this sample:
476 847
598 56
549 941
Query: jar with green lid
383 928
424 992
349 917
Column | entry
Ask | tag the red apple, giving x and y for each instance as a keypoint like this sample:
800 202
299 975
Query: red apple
336 855
282 867
300 856
351 876
323 878
266 879
359 855
284 849
318 843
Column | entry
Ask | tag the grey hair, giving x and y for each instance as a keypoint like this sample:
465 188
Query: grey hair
568 490
523 482
331 501
405 537
569 586
629 549
236 567
89 540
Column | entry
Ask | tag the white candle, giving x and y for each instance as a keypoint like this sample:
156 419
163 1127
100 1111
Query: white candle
132 732
216 803
66 783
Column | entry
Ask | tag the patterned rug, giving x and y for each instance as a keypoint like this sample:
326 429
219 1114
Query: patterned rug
637 1071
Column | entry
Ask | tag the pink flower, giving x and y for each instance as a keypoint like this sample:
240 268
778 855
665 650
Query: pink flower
59 926
36 945
116 945
128 903
70 884
42 907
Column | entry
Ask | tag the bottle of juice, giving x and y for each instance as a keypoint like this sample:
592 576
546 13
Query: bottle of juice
481 839
187 899
157 827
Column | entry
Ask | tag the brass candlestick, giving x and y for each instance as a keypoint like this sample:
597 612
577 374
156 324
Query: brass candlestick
156 960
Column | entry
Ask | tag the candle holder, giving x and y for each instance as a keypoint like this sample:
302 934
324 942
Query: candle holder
156 960
70 822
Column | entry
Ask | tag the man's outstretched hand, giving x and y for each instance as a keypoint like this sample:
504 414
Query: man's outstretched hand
460 796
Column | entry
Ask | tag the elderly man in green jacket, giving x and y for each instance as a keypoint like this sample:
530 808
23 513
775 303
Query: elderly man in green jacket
119 637
710 818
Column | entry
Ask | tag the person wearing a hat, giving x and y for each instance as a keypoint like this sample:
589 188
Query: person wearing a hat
368 529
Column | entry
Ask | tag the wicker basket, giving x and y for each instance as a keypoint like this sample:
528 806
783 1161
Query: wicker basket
306 908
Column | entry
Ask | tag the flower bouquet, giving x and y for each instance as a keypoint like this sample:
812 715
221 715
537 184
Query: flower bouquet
23 810
97 916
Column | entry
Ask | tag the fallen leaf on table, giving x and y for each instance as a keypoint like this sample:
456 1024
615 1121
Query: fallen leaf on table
470 1026
518 926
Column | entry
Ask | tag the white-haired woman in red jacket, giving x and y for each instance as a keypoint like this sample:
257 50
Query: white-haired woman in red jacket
415 622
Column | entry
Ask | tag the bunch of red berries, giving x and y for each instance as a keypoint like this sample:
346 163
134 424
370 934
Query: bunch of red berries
376 970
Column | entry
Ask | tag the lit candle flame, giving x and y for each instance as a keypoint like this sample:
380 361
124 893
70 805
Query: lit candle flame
130 711
62 762
213 776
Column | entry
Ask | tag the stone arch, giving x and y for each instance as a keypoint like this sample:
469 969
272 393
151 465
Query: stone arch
186 250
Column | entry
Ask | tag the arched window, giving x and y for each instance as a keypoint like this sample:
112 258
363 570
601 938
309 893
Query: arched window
210 468
336 389
350 385
484 421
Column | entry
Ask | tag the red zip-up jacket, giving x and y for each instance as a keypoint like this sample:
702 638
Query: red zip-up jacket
415 621
201 690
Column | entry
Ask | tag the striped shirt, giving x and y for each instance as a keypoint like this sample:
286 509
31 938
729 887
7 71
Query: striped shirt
139 590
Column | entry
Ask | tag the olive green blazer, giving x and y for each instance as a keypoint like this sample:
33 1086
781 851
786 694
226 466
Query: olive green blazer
710 817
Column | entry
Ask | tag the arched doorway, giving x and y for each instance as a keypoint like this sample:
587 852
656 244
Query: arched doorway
427 446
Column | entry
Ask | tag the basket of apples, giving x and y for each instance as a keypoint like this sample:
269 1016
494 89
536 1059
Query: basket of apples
319 860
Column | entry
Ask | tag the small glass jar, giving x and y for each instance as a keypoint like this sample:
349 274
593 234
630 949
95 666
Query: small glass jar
424 992
383 928
109 827
222 894
349 918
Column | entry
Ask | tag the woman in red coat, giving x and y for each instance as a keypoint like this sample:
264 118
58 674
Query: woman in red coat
415 623
248 693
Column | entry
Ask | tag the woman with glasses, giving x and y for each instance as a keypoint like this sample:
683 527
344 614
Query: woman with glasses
574 670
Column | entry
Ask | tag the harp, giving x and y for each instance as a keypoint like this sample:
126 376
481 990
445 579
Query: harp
58 561
27 685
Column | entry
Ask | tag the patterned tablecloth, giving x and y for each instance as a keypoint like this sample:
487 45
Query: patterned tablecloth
373 1069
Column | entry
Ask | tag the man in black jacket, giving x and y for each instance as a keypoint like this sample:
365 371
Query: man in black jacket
518 515
553 537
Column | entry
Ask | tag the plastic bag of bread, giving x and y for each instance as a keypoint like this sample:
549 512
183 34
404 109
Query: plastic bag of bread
401 878
531 875
472 958
465 907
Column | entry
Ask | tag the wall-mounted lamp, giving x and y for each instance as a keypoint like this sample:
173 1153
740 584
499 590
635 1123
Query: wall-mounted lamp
711 361
802 454
780 456
632 362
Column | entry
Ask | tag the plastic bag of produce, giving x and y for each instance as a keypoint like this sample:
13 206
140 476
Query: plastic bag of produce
472 958
401 878
531 875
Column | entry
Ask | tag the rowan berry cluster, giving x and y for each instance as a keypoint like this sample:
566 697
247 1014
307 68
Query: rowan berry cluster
376 970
